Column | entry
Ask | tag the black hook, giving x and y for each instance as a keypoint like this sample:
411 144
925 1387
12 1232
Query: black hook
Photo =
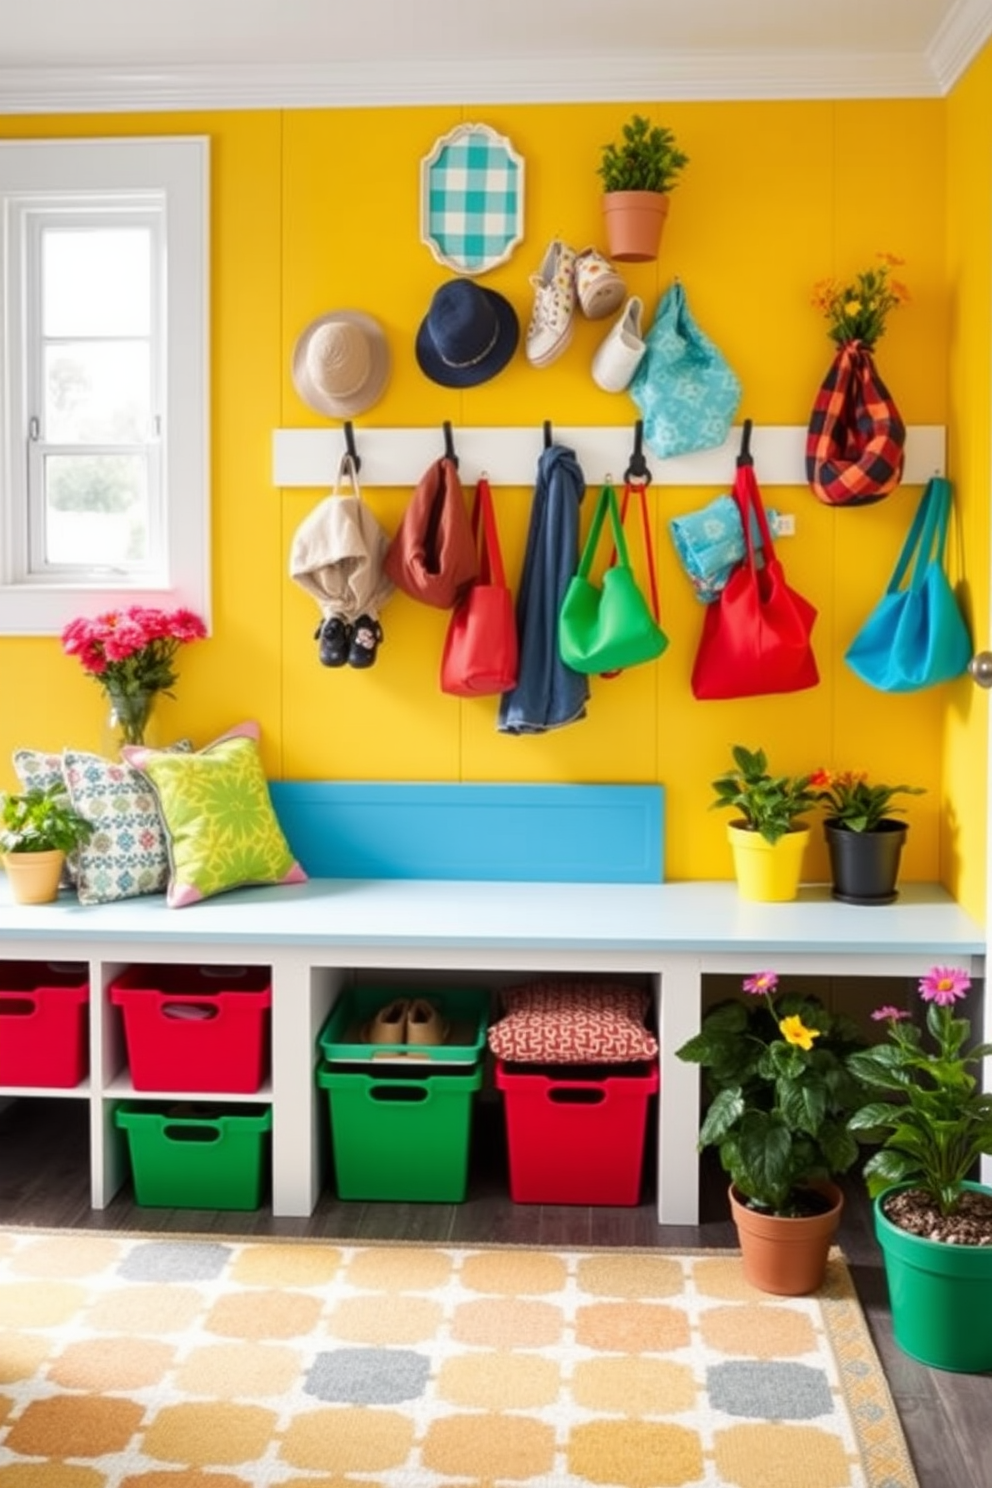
548 437
349 439
449 444
638 467
744 457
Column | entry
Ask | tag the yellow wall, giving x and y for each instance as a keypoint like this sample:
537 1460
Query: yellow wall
969 272
319 209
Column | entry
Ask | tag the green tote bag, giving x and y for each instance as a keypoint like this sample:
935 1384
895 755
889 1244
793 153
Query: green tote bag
609 628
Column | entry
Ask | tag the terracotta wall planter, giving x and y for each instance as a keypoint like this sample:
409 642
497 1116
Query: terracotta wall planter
634 222
787 1257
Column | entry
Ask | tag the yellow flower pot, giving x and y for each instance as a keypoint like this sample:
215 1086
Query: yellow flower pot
767 871
34 877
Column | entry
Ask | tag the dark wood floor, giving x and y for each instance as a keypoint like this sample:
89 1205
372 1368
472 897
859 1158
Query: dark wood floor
44 1181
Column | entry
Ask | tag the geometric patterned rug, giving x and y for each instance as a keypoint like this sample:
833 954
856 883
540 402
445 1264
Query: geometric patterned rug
135 1361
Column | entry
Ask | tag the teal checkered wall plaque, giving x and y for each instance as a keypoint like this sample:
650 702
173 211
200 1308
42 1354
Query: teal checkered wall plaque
472 199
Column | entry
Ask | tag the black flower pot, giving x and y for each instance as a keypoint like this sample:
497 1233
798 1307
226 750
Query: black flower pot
864 866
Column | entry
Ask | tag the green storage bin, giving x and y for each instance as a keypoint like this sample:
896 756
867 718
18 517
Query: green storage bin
186 1156
400 1138
466 1010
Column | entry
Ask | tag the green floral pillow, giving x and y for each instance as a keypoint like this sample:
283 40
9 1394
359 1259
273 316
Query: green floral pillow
221 830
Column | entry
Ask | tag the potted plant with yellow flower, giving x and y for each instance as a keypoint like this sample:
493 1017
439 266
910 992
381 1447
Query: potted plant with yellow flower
930 1122
780 1095
767 835
864 839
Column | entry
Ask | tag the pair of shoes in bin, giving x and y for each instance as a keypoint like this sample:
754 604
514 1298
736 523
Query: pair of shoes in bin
408 1021
341 644
564 278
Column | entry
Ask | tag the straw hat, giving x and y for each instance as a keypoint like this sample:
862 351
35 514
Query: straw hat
341 363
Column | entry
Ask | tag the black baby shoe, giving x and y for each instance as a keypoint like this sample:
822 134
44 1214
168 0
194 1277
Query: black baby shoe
365 638
335 638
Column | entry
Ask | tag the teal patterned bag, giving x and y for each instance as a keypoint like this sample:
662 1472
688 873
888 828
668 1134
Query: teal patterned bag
686 391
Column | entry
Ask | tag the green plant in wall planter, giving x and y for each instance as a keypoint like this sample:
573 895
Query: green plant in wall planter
38 828
767 836
638 172
933 1122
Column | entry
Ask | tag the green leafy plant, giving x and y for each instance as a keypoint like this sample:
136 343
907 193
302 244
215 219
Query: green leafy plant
780 1092
765 803
38 821
857 311
851 802
935 1121
646 158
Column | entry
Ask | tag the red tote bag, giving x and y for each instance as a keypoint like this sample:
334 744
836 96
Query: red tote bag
756 633
480 648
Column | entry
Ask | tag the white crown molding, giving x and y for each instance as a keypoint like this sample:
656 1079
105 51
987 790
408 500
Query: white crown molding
965 30
693 76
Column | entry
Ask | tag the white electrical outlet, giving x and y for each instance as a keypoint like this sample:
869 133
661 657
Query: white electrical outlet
784 525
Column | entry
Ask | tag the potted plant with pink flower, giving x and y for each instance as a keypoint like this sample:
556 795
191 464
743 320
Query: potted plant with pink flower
932 1122
780 1094
131 653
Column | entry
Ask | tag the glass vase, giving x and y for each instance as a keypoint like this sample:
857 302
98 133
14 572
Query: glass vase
129 720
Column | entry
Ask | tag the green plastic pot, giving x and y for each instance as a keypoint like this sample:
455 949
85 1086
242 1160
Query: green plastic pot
941 1295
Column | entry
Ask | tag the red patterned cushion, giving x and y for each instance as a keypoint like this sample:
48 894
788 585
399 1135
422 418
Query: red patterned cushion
573 1023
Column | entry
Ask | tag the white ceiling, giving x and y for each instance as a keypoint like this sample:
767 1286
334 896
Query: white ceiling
147 54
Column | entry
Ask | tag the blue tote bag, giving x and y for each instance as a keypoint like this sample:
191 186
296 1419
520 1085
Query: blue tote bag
916 635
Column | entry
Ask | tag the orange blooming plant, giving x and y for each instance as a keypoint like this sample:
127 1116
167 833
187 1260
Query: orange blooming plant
857 311
780 1092
852 803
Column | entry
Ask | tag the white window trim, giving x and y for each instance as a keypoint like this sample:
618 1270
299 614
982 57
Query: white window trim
178 168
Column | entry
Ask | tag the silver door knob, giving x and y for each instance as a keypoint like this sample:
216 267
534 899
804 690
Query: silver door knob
980 667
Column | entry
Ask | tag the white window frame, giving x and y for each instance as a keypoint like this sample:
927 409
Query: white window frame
84 176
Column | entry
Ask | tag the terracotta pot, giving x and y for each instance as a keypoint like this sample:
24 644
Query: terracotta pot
787 1257
864 866
768 872
34 876
634 220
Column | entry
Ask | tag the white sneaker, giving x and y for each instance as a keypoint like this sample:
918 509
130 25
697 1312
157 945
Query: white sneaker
619 355
550 328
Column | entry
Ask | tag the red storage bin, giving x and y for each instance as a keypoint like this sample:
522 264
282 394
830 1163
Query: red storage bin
574 1140
44 1008
195 1028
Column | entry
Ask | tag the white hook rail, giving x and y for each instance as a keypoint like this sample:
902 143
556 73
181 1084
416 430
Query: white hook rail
398 457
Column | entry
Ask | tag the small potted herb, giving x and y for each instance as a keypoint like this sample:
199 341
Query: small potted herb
38 828
638 172
767 835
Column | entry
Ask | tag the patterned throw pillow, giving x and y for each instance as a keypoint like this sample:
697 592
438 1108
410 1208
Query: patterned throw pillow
222 832
36 769
573 1023
127 854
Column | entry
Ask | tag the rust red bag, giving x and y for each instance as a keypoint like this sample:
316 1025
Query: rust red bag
856 437
433 555
480 648
756 633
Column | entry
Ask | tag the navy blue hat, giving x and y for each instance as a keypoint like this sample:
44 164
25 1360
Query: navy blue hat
468 335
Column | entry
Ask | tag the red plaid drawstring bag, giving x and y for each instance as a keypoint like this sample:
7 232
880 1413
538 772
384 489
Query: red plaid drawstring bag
855 439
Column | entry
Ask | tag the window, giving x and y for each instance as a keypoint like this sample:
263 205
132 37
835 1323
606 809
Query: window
104 438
